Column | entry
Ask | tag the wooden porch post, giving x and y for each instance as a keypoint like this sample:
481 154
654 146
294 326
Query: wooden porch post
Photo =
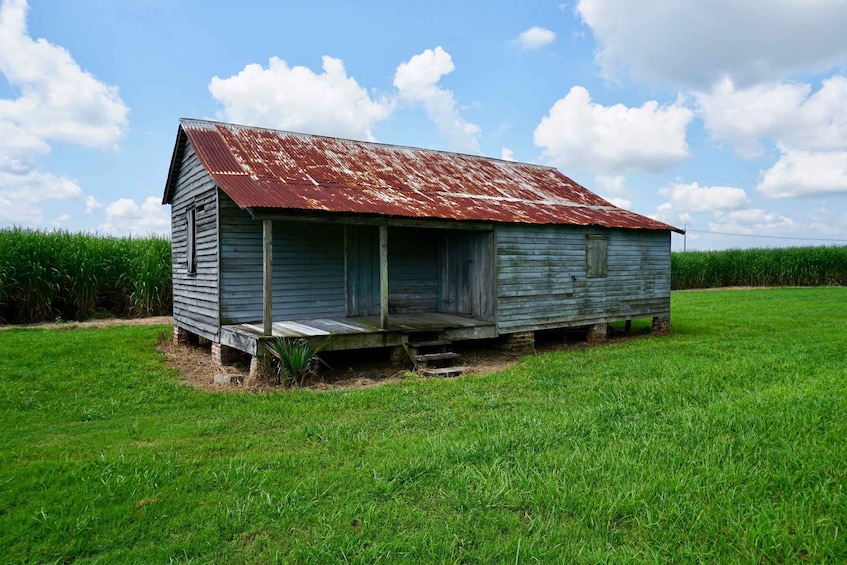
267 276
383 277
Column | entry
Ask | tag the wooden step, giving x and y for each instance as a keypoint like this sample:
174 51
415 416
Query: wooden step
444 371
434 343
425 357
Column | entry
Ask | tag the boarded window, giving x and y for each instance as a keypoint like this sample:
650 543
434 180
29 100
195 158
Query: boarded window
596 259
191 239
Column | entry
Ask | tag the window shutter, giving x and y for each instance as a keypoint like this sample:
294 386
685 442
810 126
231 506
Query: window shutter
596 256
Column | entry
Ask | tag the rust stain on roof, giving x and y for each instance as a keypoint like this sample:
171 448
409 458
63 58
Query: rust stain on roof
262 168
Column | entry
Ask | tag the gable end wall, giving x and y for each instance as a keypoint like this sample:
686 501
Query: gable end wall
195 294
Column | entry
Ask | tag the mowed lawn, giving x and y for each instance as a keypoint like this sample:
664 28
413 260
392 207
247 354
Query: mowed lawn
726 442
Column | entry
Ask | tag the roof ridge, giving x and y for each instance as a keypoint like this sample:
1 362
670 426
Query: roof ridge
201 122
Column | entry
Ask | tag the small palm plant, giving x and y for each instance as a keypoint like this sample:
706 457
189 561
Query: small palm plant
297 359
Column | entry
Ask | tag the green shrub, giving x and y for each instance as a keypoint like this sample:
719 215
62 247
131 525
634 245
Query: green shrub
297 359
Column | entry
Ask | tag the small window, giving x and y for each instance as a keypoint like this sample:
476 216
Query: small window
596 258
191 240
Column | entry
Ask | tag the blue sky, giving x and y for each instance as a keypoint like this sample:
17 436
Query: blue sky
726 117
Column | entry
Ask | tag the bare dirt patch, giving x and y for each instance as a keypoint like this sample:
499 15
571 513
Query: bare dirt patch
365 368
343 370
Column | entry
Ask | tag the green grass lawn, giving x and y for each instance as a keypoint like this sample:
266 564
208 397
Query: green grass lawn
726 442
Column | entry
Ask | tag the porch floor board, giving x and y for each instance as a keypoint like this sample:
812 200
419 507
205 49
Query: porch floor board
360 331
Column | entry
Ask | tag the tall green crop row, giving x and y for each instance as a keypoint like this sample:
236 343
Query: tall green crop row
791 266
48 275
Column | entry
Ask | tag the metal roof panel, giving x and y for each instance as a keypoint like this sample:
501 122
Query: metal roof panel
263 168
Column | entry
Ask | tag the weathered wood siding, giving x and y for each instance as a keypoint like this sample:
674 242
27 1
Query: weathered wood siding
195 294
308 268
413 270
362 253
429 270
542 281
467 272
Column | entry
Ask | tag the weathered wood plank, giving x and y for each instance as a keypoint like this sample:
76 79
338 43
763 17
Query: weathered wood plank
267 276
383 276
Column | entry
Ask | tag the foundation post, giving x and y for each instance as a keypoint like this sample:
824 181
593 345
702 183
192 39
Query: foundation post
399 356
598 333
661 325
224 355
261 368
521 343
180 336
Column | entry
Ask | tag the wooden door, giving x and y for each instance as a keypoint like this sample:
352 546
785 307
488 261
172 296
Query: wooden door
467 274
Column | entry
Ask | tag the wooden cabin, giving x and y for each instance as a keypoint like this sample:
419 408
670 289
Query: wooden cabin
285 234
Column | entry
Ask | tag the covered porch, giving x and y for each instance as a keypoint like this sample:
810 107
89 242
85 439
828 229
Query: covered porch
365 282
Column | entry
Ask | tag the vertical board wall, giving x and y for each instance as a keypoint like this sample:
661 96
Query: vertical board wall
413 270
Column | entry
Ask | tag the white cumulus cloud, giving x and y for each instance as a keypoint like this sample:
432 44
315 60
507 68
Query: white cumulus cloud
299 99
58 101
752 221
125 217
613 188
614 185
22 193
92 205
417 80
695 43
535 38
507 154
619 202
683 200
580 134
744 117
789 113
808 128
804 173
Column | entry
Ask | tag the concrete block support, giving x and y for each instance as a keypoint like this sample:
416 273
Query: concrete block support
399 357
522 342
598 333
261 368
180 336
661 325
224 355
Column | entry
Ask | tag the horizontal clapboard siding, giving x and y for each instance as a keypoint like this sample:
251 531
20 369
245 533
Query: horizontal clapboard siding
308 268
542 281
195 294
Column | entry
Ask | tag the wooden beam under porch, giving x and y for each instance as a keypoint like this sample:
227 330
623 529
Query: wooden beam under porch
360 332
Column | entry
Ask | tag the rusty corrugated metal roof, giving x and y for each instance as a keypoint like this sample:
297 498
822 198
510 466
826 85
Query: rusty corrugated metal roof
262 168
